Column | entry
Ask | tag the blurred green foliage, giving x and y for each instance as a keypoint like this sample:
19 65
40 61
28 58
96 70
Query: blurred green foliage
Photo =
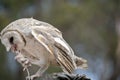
88 22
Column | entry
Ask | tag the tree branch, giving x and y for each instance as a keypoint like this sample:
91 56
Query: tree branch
63 76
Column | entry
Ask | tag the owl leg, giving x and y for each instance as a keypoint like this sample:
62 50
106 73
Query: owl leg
39 73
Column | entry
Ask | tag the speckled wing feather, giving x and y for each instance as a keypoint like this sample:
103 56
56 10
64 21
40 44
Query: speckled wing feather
52 40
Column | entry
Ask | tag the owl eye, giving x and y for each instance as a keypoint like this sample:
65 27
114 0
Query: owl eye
11 40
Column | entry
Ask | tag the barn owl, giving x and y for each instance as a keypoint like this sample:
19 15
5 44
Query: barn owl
39 43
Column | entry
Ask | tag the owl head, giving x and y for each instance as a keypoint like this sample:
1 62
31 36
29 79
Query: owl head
12 40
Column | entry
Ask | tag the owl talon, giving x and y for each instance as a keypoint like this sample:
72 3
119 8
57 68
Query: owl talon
28 78
26 62
32 77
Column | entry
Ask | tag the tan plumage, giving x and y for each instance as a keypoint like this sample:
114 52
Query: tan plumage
39 43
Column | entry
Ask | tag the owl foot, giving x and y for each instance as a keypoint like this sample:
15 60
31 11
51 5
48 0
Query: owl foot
24 61
33 77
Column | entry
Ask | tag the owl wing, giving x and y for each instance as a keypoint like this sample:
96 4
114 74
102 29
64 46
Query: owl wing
52 40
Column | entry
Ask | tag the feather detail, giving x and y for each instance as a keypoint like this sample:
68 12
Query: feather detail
63 53
41 39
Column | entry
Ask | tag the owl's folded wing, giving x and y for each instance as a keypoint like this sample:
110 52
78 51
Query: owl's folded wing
55 44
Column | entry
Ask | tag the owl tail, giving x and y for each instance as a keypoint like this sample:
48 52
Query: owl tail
80 62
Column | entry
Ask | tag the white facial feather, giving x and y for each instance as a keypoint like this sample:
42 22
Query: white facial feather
17 39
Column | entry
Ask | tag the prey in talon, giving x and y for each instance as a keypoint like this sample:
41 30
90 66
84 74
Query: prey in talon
38 43
21 59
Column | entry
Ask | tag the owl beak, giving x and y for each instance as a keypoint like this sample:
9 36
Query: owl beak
7 49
